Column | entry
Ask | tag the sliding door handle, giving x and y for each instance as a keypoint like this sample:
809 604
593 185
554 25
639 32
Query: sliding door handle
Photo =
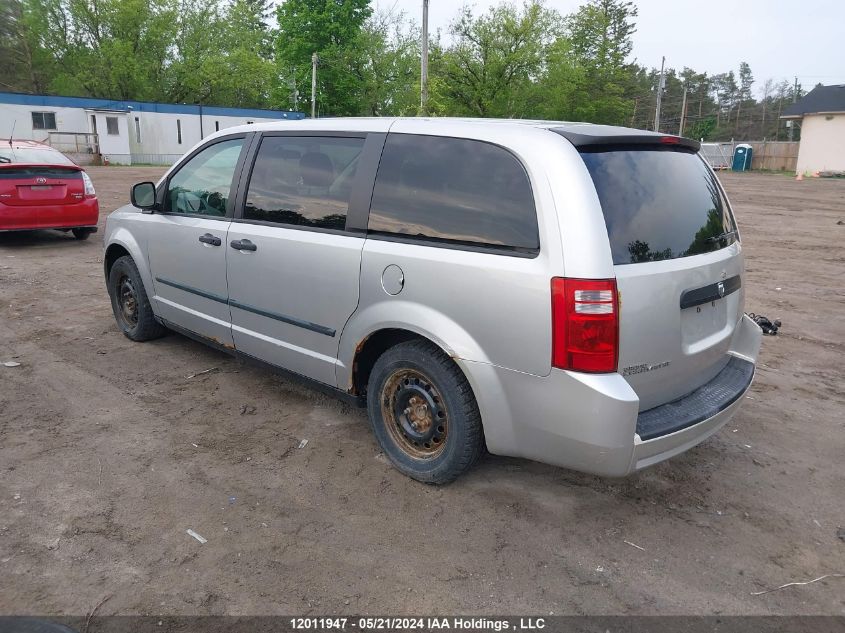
213 240
243 245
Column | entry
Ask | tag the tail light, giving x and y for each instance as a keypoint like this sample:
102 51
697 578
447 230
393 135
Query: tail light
89 185
585 324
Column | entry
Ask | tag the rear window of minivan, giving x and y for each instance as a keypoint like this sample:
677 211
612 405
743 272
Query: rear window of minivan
449 190
659 204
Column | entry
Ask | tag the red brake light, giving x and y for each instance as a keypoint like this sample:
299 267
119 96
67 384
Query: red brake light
670 140
585 324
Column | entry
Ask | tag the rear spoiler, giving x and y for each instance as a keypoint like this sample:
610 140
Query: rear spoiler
40 165
598 141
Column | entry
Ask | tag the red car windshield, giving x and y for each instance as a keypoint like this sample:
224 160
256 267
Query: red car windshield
33 156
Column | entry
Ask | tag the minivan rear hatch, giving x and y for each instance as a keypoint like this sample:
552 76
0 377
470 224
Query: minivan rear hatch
677 260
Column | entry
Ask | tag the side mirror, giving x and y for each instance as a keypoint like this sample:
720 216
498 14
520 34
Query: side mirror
143 196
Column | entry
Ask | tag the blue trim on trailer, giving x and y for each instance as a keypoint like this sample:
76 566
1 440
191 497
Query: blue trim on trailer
14 98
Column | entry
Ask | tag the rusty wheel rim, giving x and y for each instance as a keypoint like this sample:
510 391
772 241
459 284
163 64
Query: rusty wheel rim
415 414
127 301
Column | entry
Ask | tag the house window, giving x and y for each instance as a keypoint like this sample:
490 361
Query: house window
217 126
43 120
179 131
111 126
137 130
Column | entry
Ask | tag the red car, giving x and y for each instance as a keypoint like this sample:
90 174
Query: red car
41 188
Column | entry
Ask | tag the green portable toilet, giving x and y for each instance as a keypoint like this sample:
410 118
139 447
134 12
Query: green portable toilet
742 157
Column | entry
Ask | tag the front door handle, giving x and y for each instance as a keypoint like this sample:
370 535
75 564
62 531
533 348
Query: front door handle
208 238
243 245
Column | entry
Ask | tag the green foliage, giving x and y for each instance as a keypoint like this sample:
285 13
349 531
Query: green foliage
221 58
14 49
386 62
491 68
600 39
521 60
331 29
166 50
701 129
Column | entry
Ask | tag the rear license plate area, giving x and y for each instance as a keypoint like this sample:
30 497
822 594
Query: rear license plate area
701 322
41 187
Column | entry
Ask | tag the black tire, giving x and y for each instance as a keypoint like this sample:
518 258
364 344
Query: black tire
441 437
81 234
129 302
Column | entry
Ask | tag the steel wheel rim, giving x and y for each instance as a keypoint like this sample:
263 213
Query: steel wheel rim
415 414
127 301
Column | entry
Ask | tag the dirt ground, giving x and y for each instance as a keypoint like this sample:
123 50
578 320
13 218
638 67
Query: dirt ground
110 450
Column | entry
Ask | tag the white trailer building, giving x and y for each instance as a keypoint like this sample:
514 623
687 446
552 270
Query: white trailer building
119 132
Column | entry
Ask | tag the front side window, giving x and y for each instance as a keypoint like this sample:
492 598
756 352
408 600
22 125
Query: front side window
111 125
303 181
43 120
202 185
453 190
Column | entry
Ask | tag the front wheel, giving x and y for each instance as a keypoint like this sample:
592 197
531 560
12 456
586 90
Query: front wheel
423 413
131 307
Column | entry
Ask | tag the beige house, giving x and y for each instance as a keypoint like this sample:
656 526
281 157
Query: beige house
821 114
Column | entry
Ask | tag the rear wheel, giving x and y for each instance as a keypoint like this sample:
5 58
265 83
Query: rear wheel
131 307
423 413
81 234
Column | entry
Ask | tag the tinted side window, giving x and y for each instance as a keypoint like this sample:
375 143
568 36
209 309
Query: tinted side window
201 186
455 190
304 181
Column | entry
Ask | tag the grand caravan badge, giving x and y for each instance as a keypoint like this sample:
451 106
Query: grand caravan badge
641 369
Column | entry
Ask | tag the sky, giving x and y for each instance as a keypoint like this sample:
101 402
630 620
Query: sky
778 38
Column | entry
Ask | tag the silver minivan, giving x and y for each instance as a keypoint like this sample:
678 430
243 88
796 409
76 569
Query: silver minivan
564 292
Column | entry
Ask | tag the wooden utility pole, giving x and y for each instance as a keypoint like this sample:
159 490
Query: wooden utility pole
794 99
314 60
424 62
659 97
683 113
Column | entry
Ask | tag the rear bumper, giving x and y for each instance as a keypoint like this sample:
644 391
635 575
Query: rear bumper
588 422
84 213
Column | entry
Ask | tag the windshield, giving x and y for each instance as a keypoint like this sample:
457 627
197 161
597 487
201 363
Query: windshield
33 155
659 204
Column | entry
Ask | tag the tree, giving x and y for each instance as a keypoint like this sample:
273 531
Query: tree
387 65
701 129
328 28
746 80
600 35
515 60
560 93
105 48
16 72
239 70
726 90
490 68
